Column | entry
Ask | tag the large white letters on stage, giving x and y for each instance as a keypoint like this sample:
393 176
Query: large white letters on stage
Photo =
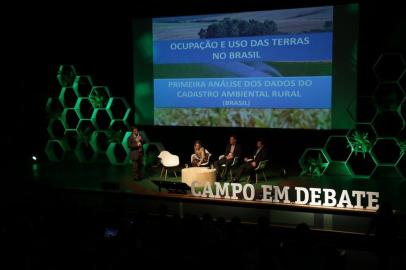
323 197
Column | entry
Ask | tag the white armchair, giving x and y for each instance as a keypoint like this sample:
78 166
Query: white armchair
168 161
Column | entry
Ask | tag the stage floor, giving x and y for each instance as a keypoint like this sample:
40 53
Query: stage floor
106 177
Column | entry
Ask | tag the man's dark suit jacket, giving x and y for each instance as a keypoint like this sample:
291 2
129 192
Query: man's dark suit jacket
262 155
237 150
136 150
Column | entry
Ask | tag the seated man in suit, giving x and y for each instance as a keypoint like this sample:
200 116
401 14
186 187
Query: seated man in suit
252 162
232 150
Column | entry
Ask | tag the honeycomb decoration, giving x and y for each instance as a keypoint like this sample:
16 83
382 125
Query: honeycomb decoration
85 122
377 142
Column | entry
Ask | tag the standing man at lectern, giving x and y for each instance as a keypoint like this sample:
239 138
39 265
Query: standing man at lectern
233 150
134 142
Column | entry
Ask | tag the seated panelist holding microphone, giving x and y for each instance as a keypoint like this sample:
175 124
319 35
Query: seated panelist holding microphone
233 150
251 163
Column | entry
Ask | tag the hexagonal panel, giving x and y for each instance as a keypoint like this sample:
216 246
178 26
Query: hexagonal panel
361 165
118 108
101 119
54 107
85 153
82 86
119 125
386 151
68 97
335 168
402 81
362 109
99 96
388 123
66 75
388 96
401 165
338 148
361 138
99 141
402 145
403 109
85 129
389 67
84 108
117 154
125 138
313 162
364 128
385 171
71 140
55 150
70 118
56 129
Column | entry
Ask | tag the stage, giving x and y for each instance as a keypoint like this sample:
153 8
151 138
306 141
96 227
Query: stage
105 181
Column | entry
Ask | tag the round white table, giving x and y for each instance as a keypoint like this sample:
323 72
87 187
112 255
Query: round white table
201 175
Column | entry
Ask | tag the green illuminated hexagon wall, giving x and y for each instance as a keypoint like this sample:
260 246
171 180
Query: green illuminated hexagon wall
66 75
314 162
68 97
118 154
361 165
71 139
401 165
338 148
388 96
56 129
118 108
364 108
386 151
100 141
55 150
83 86
84 108
85 121
54 108
101 119
70 118
378 140
388 123
85 153
99 96
389 67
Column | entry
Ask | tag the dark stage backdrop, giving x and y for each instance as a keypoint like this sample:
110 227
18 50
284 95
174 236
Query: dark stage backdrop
98 41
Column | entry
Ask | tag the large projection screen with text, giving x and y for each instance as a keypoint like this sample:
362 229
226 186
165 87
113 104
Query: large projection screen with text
290 68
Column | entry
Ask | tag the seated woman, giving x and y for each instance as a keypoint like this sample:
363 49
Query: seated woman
200 156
